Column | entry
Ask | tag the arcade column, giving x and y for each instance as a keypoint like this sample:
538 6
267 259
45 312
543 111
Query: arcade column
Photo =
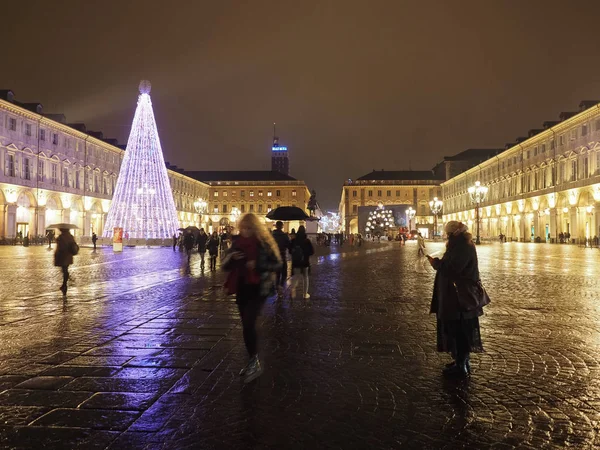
10 221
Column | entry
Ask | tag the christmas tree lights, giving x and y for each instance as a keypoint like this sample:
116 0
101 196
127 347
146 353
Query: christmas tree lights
143 202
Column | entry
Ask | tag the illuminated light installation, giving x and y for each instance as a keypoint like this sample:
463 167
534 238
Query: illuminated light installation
143 201
379 221
330 222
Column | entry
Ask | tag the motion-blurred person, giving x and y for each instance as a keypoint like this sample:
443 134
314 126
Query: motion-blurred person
66 248
251 262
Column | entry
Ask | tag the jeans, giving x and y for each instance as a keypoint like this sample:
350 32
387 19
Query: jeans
249 304
282 273
297 274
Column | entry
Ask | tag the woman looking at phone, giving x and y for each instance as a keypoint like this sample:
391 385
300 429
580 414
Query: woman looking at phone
251 261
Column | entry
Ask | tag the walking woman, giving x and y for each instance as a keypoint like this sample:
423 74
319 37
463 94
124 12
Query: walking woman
301 249
66 248
252 261
213 250
457 318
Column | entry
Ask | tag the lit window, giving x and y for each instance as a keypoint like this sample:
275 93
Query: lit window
224 193
269 194
294 193
269 208
10 166
260 193
215 194
251 193
27 169
216 209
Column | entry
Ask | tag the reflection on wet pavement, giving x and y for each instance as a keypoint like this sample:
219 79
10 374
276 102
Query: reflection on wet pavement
144 353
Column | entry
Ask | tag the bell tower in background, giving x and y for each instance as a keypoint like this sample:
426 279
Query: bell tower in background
280 161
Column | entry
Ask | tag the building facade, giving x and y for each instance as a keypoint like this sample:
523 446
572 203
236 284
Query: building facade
233 193
390 188
58 172
541 186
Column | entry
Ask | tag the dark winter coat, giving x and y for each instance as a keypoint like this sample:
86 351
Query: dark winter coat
65 249
213 246
307 250
188 241
458 263
202 240
283 241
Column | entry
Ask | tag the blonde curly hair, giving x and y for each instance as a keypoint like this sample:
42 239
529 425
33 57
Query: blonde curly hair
261 232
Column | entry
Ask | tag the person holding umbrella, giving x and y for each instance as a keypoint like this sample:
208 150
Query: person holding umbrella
66 248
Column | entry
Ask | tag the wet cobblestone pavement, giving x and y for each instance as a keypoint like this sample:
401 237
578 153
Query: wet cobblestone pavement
144 353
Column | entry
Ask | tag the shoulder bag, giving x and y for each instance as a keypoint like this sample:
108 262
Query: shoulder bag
471 295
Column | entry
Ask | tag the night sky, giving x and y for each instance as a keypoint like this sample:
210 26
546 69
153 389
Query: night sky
353 85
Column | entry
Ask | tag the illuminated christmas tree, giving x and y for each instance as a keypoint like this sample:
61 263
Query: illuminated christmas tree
143 201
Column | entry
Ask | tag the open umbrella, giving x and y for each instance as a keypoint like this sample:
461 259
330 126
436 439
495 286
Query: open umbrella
64 226
287 213
193 229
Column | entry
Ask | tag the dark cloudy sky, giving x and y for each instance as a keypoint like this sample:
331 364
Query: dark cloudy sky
353 84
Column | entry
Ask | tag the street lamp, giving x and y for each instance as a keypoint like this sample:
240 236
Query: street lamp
235 215
410 214
477 192
436 208
200 206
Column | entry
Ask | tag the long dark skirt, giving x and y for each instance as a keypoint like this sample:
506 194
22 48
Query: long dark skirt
462 333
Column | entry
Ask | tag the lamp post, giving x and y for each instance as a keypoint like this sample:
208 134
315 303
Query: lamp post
200 206
477 192
235 215
410 214
436 208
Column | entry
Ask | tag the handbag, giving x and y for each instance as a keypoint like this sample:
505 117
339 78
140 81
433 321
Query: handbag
471 295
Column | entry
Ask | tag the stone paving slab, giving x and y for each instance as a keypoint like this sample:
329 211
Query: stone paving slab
124 362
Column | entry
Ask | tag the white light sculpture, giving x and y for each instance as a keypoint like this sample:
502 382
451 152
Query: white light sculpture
380 221
143 201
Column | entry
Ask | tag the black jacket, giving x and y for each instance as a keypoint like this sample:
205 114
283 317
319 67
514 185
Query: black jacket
213 246
458 263
307 250
202 240
283 241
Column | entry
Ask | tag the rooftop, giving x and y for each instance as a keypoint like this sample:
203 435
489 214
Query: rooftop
474 154
238 175
408 175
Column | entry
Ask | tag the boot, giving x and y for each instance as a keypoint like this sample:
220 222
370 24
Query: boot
254 370
459 368
467 364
